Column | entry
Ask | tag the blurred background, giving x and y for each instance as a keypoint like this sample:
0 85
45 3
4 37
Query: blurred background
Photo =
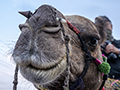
10 19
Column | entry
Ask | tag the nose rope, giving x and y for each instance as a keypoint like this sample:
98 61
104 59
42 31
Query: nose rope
66 82
15 82
67 39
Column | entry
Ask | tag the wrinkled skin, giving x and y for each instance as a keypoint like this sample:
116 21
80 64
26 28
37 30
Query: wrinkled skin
40 50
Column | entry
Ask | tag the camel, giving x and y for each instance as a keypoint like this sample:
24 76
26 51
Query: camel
50 55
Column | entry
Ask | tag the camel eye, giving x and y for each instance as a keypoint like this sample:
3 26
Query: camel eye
93 42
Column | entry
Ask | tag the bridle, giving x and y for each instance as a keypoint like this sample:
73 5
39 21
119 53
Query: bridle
88 58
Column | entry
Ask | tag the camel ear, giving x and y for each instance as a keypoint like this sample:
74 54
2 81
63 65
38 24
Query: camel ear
102 34
27 14
100 27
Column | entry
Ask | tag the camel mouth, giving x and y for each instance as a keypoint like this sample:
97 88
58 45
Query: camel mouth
43 76
52 66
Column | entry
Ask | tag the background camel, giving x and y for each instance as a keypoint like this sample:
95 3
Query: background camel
40 51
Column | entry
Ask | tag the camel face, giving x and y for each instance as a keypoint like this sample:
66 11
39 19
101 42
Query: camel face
40 50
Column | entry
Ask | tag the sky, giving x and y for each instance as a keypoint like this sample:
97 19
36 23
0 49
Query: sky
10 19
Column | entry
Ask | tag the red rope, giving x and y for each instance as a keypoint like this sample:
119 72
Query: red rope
73 27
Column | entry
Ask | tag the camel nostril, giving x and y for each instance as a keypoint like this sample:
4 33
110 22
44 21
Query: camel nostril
54 25
54 28
31 51
51 25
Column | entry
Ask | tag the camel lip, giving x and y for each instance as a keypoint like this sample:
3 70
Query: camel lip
43 76
57 64
47 68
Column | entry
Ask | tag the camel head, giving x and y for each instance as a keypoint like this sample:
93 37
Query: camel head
40 51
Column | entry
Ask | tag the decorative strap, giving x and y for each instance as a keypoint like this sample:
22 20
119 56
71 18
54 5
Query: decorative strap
73 27
104 67
84 47
114 82
88 58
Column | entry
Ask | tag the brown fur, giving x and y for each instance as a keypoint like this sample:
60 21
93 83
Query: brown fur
37 51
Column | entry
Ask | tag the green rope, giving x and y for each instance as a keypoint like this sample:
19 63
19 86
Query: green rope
104 67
